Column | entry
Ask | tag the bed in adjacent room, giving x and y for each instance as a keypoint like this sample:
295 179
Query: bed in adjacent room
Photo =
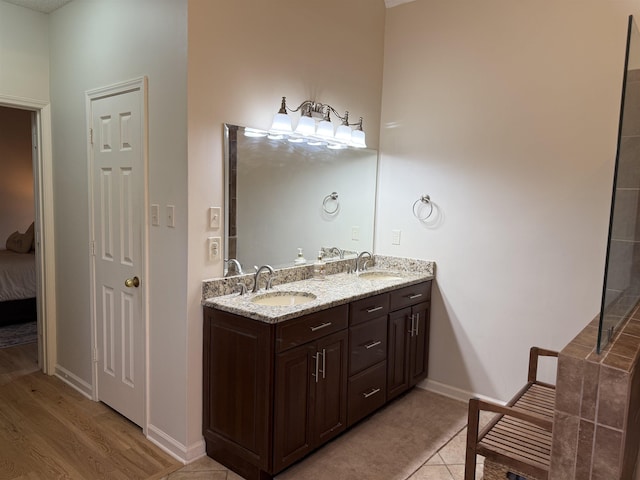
18 279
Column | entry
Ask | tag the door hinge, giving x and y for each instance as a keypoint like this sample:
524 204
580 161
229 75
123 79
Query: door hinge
91 136
92 248
95 355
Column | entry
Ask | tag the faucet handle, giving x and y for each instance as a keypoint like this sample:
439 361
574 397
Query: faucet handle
242 288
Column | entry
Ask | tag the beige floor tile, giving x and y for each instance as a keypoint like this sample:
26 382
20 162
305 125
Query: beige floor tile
435 460
454 452
200 475
432 472
457 471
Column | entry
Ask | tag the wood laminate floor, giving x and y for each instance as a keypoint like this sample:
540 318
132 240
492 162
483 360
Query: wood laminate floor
50 431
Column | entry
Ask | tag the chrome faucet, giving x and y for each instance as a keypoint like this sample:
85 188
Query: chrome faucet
338 251
257 276
236 265
360 255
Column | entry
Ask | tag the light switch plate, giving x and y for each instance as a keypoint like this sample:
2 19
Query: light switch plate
213 247
155 214
214 217
355 233
171 219
395 237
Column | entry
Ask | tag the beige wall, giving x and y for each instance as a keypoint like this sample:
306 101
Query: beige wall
24 53
96 44
243 57
16 182
506 113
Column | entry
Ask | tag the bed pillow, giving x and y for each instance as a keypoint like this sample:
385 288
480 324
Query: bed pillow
20 242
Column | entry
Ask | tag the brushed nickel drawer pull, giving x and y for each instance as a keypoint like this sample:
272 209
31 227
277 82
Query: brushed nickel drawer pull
318 327
372 392
413 297
372 344
417 323
315 375
374 309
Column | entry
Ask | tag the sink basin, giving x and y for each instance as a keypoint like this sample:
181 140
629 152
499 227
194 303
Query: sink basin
283 299
379 275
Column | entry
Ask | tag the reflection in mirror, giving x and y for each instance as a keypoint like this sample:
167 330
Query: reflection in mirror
282 196
621 291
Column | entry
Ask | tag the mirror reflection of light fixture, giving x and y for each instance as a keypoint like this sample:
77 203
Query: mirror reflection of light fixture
319 132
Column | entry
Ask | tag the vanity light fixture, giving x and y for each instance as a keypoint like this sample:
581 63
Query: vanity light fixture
317 132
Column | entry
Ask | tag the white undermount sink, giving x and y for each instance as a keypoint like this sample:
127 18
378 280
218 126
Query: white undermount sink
283 299
379 275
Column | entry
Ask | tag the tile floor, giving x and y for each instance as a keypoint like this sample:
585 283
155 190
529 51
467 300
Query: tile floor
446 464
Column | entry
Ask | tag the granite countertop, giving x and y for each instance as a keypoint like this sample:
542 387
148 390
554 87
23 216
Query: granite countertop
334 290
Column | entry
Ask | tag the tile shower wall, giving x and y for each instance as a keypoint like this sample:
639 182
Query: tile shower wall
596 432
623 274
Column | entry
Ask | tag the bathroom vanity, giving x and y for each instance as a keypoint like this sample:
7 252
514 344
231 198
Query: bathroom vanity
280 381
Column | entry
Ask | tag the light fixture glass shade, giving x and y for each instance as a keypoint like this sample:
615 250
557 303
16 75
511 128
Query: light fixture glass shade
358 139
306 126
343 134
281 123
325 129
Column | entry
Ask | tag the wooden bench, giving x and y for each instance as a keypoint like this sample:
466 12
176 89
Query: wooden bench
517 440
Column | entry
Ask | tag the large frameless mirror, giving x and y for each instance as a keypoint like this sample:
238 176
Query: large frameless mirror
283 196
621 291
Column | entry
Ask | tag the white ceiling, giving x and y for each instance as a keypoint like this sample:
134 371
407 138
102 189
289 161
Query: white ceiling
44 6
48 6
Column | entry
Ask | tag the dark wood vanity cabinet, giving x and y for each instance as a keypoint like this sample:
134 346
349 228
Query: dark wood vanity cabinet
310 397
408 337
273 393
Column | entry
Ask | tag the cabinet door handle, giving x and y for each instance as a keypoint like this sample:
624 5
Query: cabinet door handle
374 309
324 364
417 323
315 357
318 327
372 392
412 325
372 344
414 296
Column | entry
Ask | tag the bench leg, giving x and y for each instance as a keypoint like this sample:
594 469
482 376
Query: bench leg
472 440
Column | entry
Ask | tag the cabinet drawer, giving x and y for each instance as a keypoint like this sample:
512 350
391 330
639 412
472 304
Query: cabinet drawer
311 327
403 297
367 344
368 308
366 392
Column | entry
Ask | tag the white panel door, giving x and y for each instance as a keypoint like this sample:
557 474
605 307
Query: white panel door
118 219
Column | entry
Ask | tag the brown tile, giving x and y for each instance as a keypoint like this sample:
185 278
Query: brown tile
569 384
632 327
585 447
589 391
612 397
616 361
626 346
432 472
564 446
606 453
587 337
576 350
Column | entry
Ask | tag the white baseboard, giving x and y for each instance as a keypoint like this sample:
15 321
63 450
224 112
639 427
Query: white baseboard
74 381
454 392
177 450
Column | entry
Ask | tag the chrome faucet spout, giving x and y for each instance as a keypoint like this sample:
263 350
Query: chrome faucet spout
267 268
359 258
338 251
236 266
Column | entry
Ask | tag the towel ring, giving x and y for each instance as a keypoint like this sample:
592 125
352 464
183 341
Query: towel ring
331 196
426 200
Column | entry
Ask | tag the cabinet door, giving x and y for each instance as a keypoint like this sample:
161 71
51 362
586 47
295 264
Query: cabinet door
419 343
330 402
398 355
293 403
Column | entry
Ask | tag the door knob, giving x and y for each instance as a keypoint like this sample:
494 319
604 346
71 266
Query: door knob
132 282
